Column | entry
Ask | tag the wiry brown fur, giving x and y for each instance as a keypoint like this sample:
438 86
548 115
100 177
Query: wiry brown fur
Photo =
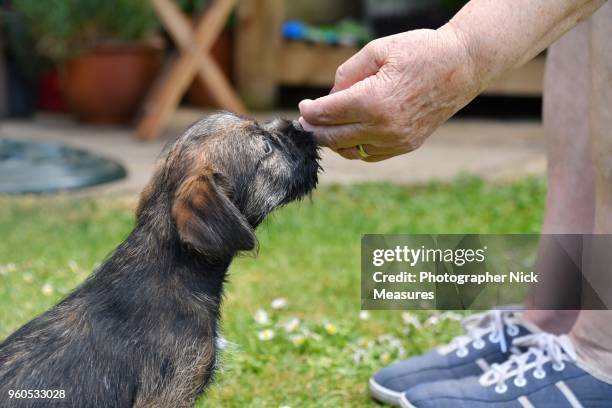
141 330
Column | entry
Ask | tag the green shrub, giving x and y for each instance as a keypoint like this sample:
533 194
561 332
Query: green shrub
65 27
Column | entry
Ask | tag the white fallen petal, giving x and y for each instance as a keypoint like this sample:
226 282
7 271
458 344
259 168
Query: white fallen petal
261 317
292 324
279 303
47 289
265 335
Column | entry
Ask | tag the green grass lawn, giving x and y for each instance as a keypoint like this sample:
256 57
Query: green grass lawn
322 350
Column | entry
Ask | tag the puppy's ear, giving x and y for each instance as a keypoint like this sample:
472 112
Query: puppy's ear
207 220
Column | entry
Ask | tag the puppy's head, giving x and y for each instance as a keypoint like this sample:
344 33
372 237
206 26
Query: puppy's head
224 175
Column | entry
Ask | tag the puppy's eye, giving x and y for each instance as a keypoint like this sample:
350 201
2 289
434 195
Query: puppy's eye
267 147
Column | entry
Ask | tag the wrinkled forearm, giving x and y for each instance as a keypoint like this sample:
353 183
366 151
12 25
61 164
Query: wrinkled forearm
501 35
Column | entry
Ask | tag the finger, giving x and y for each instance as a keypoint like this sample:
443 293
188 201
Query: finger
338 137
348 136
351 105
361 65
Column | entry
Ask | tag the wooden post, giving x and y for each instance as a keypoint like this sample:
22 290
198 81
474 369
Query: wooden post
258 40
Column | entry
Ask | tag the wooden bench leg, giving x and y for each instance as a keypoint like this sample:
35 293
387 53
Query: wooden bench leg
170 87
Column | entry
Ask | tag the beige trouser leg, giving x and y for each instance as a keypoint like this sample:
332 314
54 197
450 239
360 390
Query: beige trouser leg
570 202
592 334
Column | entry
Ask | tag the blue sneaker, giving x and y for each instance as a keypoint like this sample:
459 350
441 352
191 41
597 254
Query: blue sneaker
487 341
546 374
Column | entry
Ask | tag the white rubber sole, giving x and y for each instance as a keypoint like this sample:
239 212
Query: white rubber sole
383 394
404 403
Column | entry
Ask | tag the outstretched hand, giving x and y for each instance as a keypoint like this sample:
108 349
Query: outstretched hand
392 94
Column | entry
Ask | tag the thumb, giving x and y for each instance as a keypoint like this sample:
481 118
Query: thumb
342 107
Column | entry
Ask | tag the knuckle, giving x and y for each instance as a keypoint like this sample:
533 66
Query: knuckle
340 73
373 45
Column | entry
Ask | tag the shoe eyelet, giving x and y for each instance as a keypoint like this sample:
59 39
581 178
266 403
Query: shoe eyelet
501 388
539 373
558 367
493 338
512 331
520 381
478 344
462 352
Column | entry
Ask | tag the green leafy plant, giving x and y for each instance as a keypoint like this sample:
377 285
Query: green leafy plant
65 27
192 6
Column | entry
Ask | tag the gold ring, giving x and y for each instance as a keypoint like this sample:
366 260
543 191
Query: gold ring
362 152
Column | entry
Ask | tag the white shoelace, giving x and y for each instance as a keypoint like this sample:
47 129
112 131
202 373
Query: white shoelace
541 349
491 324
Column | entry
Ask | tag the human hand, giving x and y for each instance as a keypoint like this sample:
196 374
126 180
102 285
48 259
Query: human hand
392 94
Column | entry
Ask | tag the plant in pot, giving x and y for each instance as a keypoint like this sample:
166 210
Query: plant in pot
108 51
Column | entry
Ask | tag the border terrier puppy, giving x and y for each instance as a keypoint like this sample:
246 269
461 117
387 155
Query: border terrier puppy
141 330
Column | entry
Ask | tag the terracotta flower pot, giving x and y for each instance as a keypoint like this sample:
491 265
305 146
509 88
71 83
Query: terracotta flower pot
51 98
107 84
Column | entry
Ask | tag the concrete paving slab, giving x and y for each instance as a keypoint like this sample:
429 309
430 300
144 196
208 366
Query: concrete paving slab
494 150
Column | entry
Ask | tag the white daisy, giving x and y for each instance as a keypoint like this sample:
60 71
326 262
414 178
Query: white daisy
261 317
47 289
265 335
331 328
292 324
279 303
359 355
297 340
432 320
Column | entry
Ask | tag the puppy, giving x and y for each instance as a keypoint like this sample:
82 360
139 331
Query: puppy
141 330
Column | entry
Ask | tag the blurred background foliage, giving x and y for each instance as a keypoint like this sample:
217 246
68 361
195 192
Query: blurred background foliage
61 28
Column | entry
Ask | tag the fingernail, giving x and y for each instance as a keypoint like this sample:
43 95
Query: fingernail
307 126
302 102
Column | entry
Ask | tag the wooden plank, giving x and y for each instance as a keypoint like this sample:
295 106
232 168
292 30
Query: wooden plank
258 37
301 64
304 64
527 80
165 95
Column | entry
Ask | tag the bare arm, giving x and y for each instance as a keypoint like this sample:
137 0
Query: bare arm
503 35
392 94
